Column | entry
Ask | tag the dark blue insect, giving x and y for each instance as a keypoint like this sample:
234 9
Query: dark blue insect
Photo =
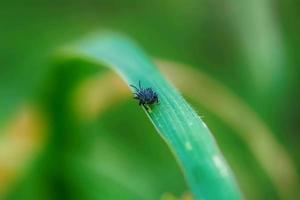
145 96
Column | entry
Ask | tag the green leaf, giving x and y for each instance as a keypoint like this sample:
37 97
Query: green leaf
203 165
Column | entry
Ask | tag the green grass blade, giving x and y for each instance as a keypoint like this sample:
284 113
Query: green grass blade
203 165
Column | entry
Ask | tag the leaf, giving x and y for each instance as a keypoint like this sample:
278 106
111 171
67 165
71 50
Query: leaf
202 163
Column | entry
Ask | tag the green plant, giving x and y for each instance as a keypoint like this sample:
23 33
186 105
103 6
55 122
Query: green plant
179 125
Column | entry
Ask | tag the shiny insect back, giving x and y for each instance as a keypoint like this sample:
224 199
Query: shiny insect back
145 96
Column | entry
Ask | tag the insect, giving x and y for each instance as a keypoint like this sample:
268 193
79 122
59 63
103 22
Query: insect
145 96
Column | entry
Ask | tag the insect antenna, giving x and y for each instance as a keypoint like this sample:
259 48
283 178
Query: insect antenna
134 87
140 85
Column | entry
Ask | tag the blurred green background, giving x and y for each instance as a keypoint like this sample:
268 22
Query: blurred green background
251 47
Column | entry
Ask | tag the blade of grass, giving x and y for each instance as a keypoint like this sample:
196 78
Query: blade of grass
203 165
93 97
256 134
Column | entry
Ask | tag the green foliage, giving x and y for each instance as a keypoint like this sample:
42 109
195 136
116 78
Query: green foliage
182 129
250 47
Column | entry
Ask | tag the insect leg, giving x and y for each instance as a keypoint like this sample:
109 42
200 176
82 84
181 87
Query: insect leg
145 106
148 108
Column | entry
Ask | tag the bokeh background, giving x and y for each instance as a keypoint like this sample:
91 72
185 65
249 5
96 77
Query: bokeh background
249 47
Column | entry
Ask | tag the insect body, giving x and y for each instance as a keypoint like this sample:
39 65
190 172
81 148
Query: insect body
145 96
